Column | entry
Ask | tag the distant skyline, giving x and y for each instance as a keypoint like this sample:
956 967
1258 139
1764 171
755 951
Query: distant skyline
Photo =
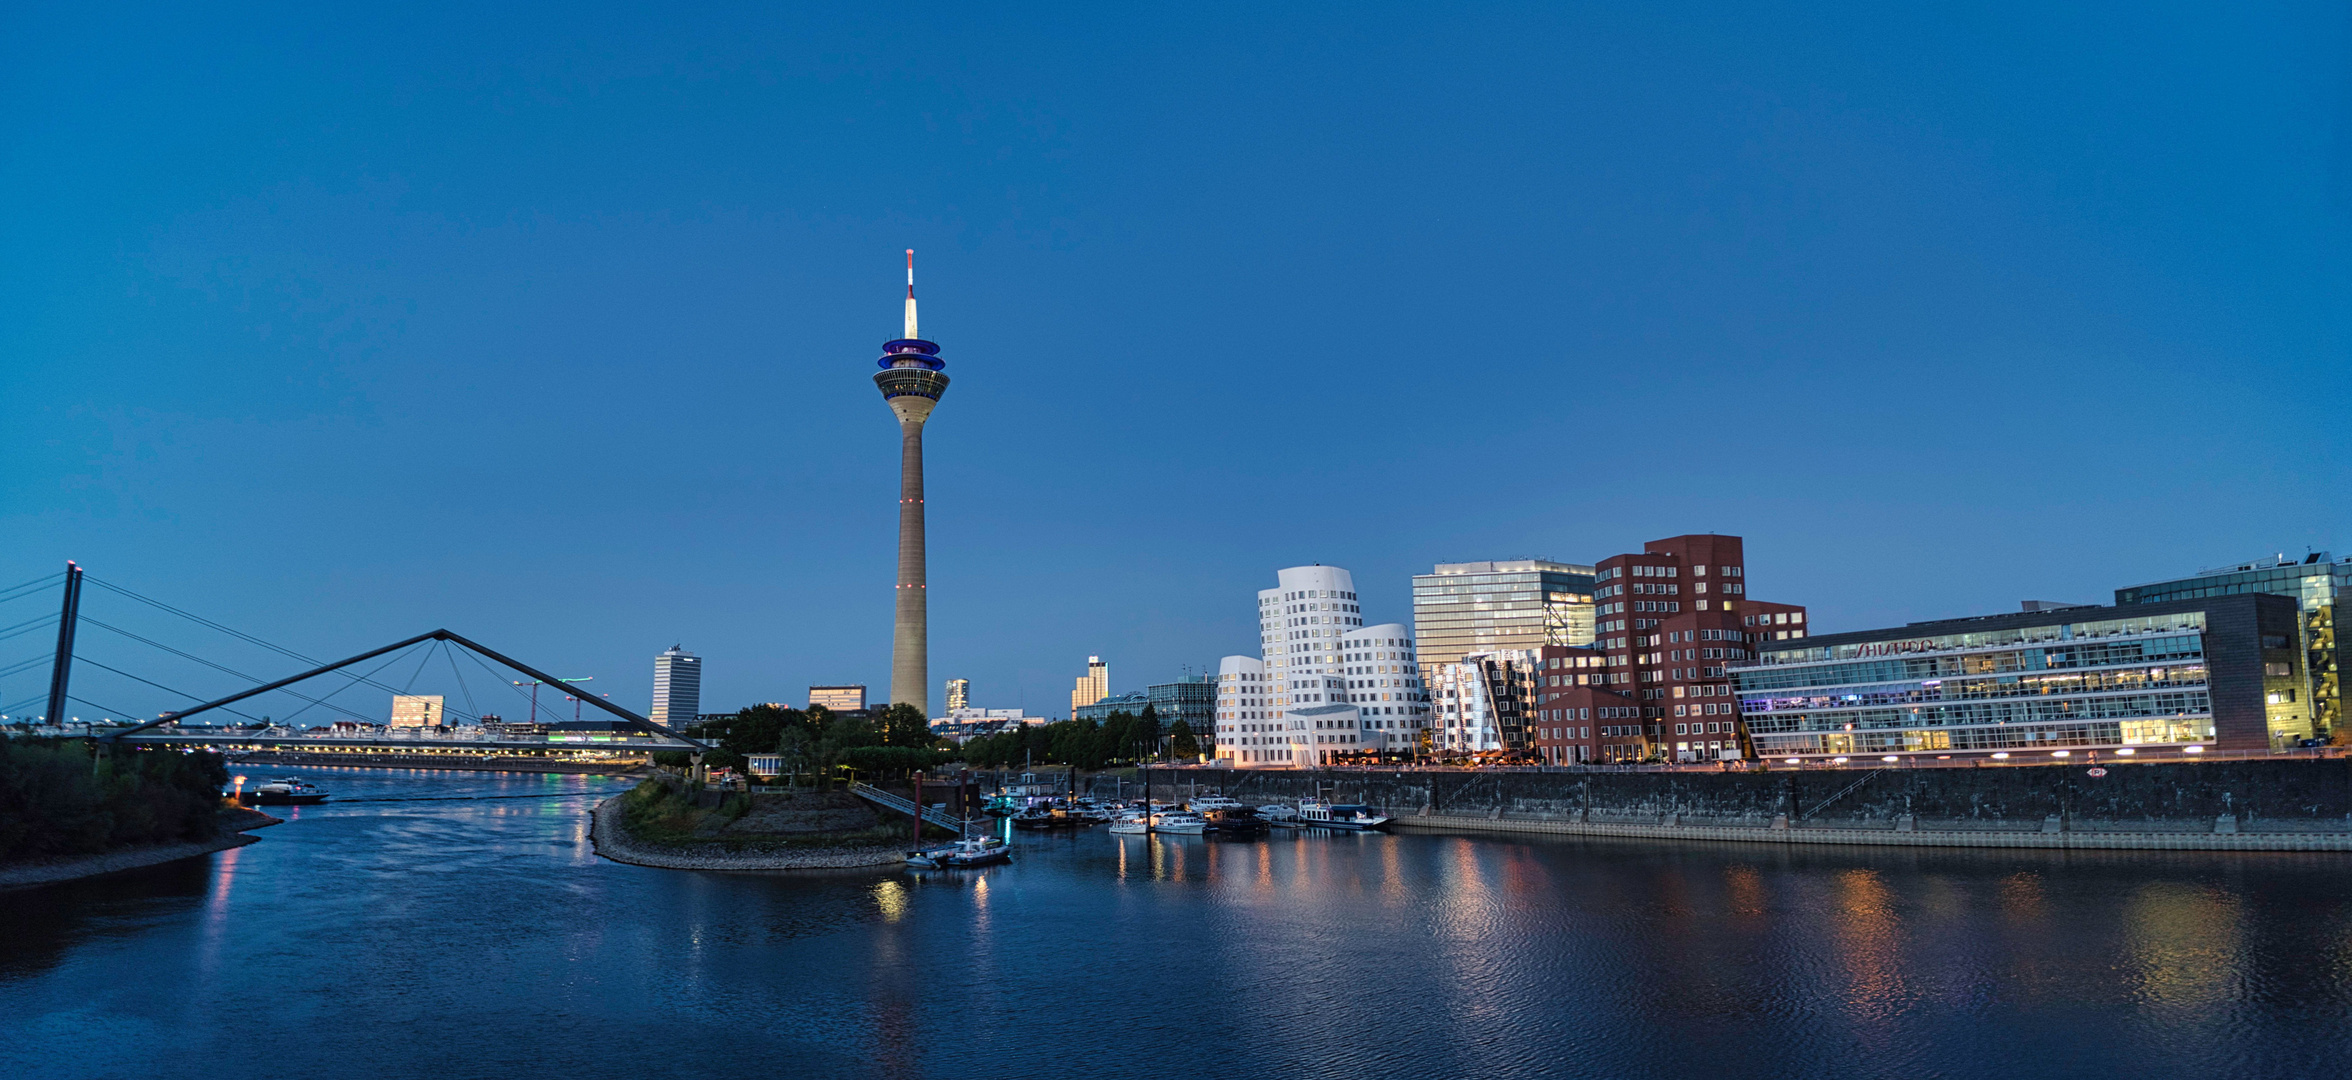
557 327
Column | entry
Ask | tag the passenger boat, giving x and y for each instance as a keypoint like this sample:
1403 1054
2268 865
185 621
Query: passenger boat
1317 814
1209 803
965 853
285 791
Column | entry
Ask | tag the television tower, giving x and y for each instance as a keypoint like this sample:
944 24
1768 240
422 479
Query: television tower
911 385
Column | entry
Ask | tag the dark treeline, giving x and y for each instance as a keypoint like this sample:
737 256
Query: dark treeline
1120 738
55 801
816 742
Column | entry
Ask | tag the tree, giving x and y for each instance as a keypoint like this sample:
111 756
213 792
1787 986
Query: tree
1181 742
904 725
1145 735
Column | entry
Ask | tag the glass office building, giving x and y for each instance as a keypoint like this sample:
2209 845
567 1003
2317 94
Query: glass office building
2179 677
2314 583
1482 607
1192 699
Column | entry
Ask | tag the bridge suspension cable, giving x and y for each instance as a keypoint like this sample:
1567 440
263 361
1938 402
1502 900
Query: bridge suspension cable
157 685
39 584
364 679
215 667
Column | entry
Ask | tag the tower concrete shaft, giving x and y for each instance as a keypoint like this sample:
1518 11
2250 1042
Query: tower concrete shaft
911 383
910 648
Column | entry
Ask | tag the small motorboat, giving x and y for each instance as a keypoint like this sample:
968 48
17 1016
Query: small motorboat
1235 823
965 853
1042 816
1131 823
284 791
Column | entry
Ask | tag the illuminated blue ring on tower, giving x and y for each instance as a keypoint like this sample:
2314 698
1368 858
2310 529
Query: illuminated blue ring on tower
910 352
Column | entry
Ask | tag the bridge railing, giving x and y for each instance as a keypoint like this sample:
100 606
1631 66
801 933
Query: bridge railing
904 805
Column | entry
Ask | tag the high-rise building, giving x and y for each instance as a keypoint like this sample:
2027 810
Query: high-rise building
1482 607
1669 622
416 710
959 694
911 383
1091 687
2316 582
844 697
677 688
1324 686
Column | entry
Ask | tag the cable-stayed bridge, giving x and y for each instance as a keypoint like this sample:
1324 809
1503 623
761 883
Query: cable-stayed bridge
228 722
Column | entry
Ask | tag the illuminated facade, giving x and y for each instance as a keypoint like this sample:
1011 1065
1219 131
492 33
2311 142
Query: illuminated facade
1093 686
2222 673
677 688
1325 685
846 697
416 710
1480 607
2315 583
959 694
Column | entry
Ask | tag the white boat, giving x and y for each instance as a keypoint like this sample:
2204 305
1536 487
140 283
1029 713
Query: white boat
1206 803
1130 823
1178 821
1317 814
1167 821
969 851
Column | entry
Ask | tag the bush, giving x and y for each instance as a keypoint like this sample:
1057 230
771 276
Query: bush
56 801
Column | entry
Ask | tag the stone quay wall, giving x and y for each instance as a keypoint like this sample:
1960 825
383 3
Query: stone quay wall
2299 804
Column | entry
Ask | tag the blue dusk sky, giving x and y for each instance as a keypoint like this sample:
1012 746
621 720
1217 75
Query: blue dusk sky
556 325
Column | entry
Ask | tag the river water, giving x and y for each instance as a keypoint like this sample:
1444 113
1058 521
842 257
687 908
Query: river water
459 925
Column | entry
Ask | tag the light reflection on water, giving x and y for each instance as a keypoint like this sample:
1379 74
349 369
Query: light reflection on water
473 938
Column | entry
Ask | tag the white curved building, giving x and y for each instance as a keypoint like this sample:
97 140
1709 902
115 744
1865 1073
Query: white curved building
1324 683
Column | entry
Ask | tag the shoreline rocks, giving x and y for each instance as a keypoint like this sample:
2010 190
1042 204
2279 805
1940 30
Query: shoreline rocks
612 842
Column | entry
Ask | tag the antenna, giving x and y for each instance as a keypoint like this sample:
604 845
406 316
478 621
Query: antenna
910 311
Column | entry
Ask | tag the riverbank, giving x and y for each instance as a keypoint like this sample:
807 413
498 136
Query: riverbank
613 842
444 762
2281 805
235 830
2053 833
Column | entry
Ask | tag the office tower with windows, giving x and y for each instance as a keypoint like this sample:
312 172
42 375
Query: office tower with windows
1481 607
840 697
911 383
2315 582
959 694
1325 687
677 688
1091 687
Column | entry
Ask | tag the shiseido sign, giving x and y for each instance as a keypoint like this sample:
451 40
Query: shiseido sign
1889 648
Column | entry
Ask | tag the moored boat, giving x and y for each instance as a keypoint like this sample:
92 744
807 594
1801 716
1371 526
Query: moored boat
284 791
1317 814
968 852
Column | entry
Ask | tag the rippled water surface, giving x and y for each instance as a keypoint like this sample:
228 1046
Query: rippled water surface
419 927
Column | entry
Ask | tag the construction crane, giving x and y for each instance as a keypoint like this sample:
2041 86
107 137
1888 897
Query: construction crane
535 684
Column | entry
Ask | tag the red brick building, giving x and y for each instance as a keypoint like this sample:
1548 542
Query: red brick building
1667 622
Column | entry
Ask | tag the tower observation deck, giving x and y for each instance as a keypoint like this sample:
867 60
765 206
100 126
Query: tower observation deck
911 383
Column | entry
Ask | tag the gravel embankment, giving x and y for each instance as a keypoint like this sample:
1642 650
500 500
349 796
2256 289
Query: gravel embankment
233 834
612 843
